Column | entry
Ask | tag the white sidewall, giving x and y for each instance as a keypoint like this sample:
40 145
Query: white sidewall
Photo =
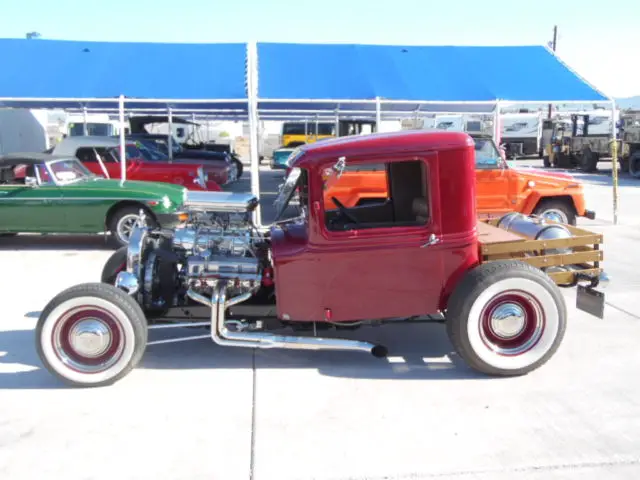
87 378
549 333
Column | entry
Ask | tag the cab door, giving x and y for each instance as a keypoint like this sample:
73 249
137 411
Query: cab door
387 263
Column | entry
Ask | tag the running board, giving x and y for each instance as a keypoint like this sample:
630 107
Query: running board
223 336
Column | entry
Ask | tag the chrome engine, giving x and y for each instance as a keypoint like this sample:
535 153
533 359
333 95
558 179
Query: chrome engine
218 243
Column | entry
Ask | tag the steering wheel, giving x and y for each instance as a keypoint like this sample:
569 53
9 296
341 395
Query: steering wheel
344 211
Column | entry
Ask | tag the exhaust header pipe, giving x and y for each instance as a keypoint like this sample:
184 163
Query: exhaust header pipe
223 336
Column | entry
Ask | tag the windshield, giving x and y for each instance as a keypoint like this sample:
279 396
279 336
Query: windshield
149 151
68 171
487 154
287 192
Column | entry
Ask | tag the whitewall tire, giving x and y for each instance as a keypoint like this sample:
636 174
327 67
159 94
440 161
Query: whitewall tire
506 318
91 334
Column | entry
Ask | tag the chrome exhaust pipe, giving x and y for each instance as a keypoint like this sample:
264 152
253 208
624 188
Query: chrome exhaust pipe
223 336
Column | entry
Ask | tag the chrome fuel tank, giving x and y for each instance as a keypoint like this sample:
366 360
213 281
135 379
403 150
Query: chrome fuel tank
535 228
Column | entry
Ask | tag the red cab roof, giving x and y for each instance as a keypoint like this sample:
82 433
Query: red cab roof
402 141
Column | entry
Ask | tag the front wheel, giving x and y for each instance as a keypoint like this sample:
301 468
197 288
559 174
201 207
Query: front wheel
506 318
116 263
122 222
589 161
91 335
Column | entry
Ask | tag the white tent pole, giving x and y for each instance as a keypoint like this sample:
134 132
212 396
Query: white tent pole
337 120
614 162
378 114
170 133
85 131
123 149
496 124
252 110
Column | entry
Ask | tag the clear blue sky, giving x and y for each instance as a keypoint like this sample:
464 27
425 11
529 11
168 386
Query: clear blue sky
599 45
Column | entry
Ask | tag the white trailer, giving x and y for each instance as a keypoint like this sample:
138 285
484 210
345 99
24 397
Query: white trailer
23 130
521 133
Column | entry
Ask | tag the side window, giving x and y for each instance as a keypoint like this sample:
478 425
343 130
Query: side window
88 155
384 195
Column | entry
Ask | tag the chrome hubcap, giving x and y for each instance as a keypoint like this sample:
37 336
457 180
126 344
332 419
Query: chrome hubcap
508 320
90 338
125 226
555 215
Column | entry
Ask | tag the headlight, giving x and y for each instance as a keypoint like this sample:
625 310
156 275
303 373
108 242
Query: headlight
166 202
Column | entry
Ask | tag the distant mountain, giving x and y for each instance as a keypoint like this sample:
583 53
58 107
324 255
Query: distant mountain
629 102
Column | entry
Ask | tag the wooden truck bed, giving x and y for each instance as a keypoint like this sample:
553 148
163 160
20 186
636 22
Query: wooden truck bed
499 244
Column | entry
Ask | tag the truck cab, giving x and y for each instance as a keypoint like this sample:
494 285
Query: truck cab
354 256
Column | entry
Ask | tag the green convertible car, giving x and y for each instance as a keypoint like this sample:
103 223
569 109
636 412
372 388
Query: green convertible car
43 193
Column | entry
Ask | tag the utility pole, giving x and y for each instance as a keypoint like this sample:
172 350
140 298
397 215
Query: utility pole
553 44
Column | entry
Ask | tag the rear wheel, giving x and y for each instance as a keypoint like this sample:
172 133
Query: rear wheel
556 210
506 318
90 335
634 165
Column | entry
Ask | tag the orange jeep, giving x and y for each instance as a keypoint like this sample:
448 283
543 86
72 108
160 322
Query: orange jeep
500 188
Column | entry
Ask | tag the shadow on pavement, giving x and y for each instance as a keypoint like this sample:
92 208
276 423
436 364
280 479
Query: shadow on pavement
416 352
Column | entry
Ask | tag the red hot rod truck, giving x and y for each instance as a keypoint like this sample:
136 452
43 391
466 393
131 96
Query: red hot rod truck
421 254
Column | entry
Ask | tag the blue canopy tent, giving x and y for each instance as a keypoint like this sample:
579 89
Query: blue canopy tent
282 81
108 76
347 77
74 74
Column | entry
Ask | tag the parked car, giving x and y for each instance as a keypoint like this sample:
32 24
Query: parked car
189 149
180 153
221 163
44 193
500 188
422 256
101 155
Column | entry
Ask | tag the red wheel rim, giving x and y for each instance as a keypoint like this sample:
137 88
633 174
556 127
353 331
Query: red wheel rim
88 339
512 323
